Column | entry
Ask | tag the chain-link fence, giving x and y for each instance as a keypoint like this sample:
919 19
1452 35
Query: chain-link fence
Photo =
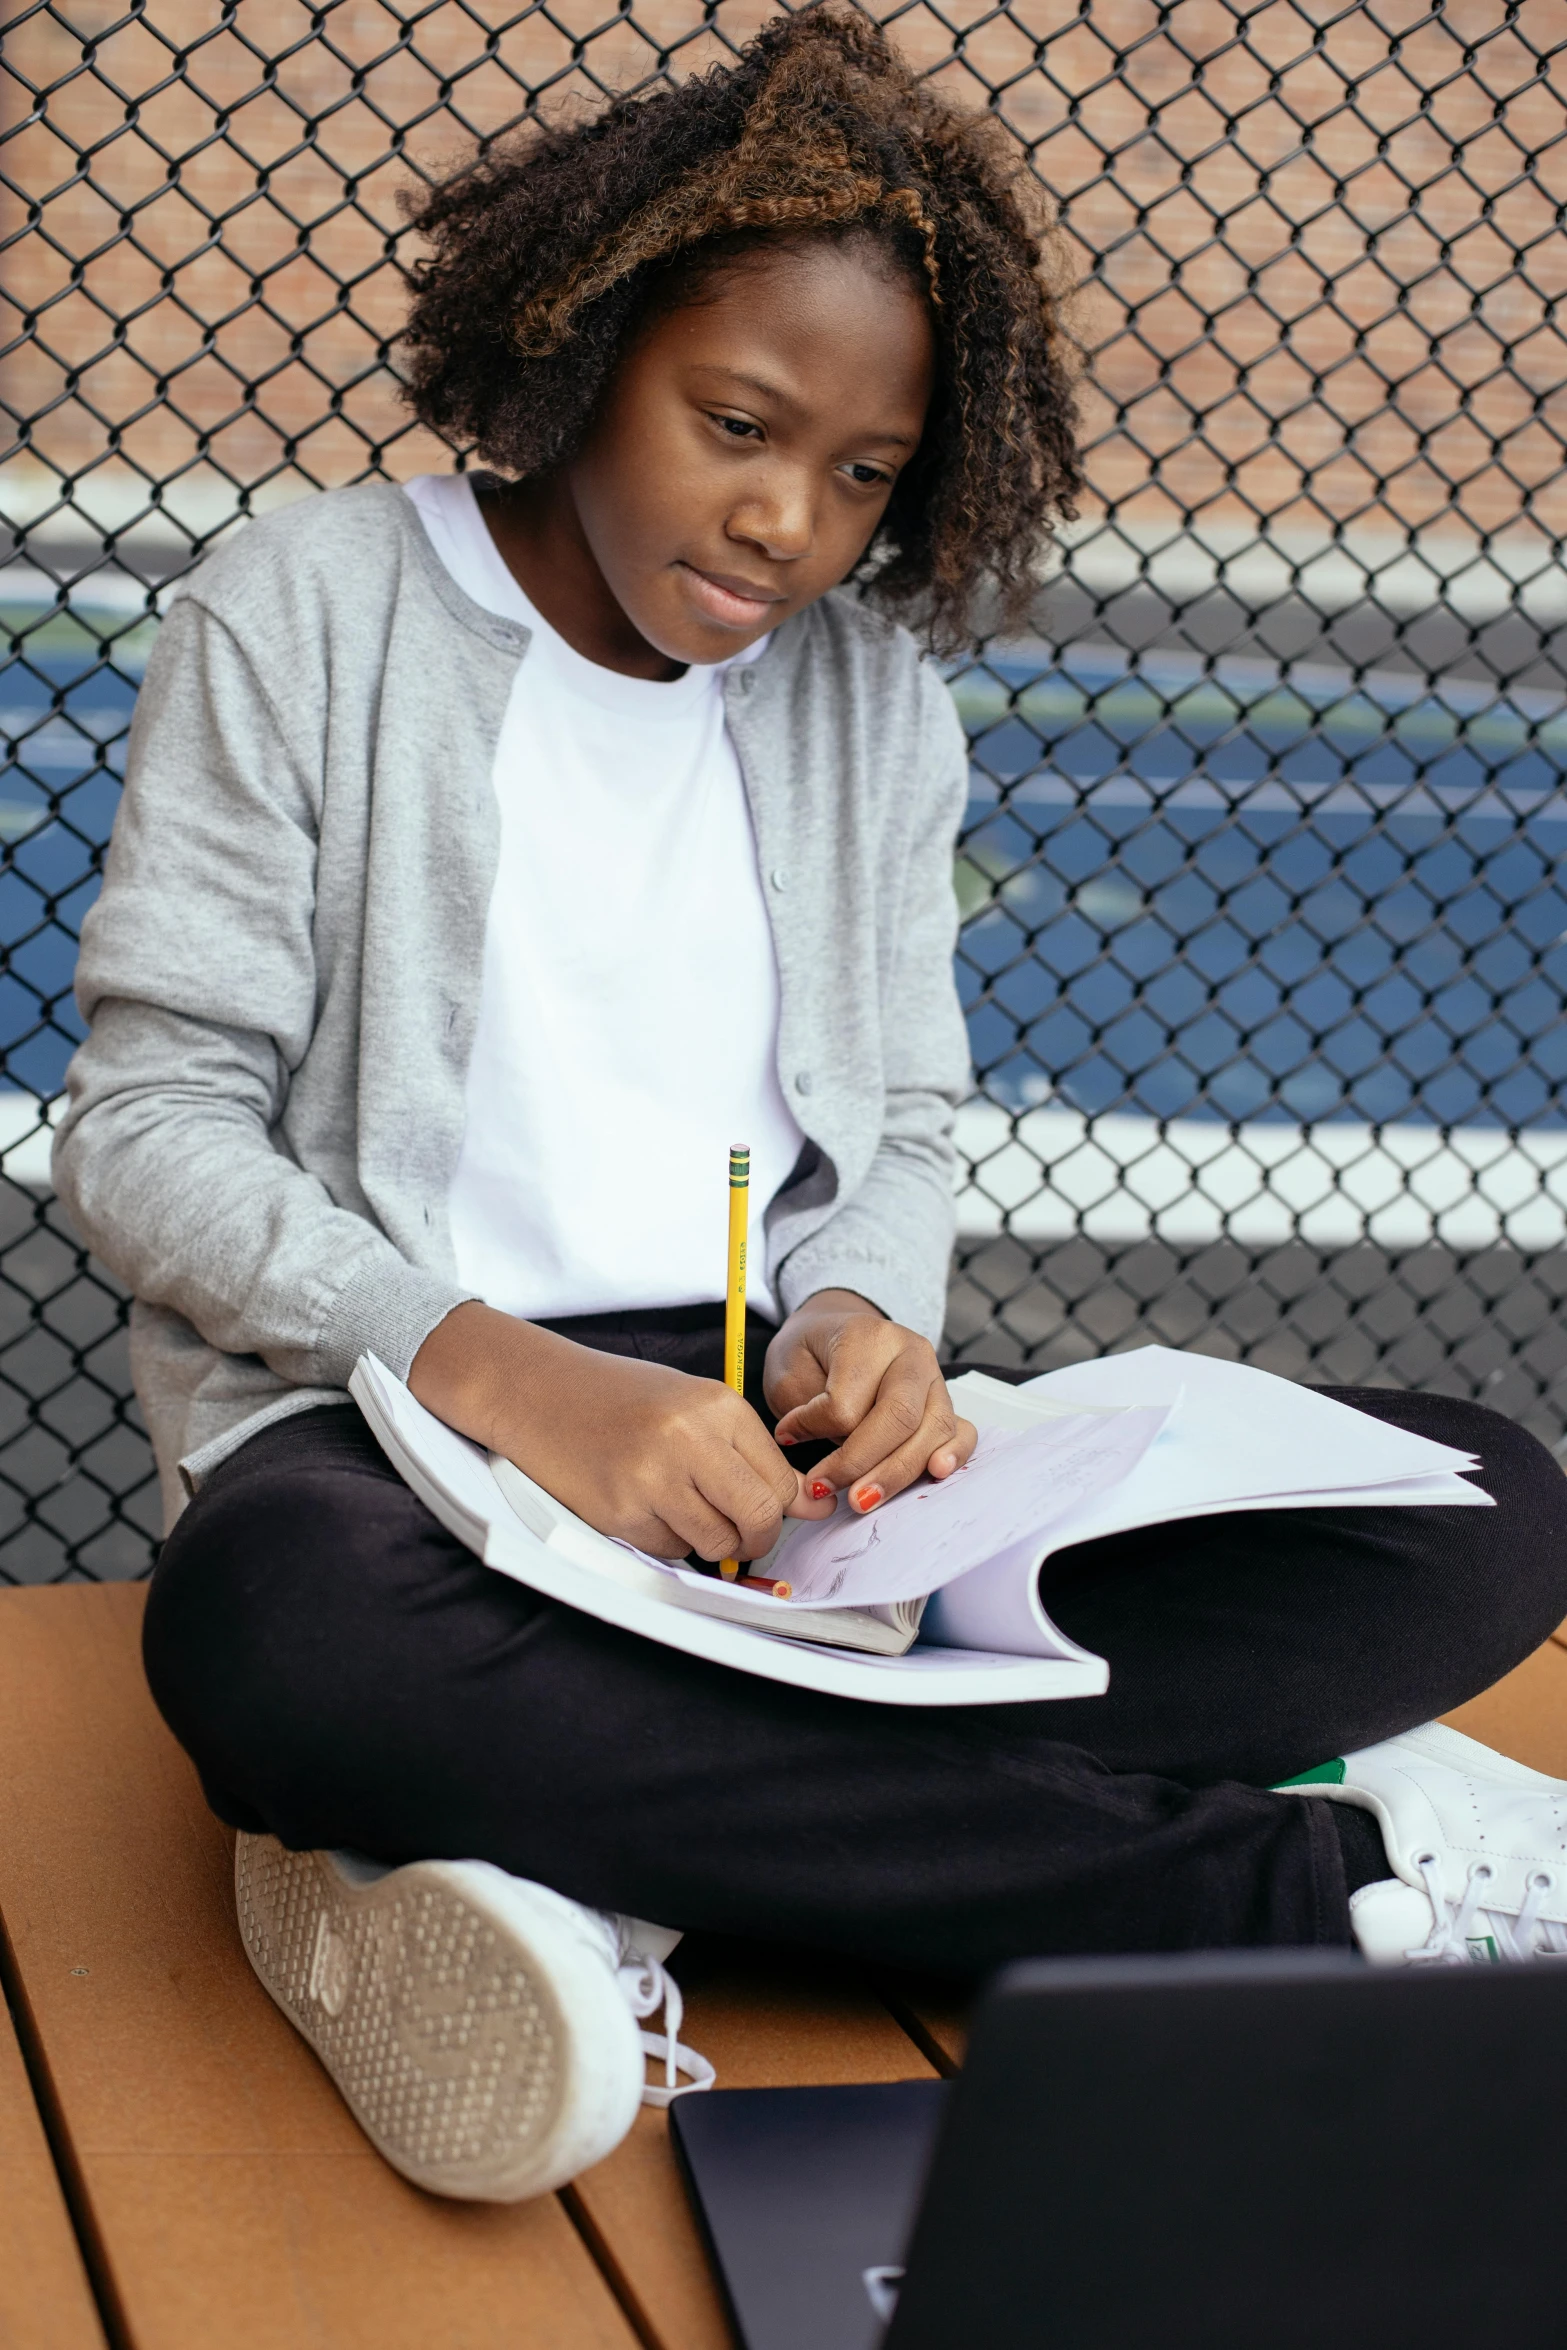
1266 944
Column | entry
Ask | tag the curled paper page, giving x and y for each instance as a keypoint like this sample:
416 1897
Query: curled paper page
1018 1483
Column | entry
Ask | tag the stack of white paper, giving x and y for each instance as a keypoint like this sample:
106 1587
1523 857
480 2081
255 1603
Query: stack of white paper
1135 1440
1233 1438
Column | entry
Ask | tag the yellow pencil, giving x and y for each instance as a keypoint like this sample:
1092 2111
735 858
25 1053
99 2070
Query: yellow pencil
734 1294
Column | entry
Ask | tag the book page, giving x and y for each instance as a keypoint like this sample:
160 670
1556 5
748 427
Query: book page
997 1606
1247 1441
1247 1433
1019 1483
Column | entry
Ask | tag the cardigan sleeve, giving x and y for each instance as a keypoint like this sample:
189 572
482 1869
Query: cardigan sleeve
198 980
891 1238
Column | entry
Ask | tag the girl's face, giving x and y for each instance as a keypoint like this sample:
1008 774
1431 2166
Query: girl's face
748 445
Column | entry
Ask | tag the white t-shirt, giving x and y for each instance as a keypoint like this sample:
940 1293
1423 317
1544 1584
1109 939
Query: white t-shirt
628 1016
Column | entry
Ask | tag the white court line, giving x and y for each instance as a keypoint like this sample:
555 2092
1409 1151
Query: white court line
26 1132
1120 1179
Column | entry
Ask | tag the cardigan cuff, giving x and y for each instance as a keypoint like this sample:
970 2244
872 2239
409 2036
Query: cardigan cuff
388 1308
823 1263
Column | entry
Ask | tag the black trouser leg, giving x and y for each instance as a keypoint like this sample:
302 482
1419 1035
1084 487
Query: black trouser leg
1255 1645
345 1674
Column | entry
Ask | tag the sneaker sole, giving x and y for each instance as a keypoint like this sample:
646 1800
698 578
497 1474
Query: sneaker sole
480 2042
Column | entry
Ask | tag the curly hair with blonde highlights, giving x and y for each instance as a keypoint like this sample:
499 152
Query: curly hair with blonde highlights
549 251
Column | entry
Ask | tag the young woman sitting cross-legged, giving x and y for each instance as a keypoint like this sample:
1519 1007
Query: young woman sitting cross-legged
497 849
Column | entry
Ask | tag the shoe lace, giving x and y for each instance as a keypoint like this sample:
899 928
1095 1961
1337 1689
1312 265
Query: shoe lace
648 1986
1502 1935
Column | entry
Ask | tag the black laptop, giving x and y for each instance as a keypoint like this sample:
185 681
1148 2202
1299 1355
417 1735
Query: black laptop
1228 2151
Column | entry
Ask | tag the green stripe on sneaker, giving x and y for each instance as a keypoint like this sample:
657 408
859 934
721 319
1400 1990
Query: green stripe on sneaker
1325 1775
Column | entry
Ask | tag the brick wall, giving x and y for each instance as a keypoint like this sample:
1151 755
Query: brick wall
1318 248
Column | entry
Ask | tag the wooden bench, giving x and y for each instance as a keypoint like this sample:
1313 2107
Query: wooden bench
198 2157
46 2302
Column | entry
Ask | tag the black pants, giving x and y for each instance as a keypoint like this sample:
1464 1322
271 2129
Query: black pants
344 1673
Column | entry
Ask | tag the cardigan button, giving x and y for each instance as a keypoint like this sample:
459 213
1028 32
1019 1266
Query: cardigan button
802 1083
747 679
780 879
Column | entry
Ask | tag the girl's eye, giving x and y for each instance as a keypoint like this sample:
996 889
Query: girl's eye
740 426
869 477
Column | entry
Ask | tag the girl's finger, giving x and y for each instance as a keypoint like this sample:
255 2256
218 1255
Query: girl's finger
719 1505
950 1456
748 1487
911 1410
806 1420
751 1442
768 1470
906 1465
792 1379
851 1392
702 1528
815 1499
657 1538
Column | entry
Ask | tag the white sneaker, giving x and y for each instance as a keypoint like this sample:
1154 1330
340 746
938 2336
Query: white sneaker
1479 1844
482 2029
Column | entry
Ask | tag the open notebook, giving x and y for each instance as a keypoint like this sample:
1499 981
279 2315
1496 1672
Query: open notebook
934 1598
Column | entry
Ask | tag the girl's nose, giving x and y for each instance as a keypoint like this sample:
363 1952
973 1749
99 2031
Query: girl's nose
781 521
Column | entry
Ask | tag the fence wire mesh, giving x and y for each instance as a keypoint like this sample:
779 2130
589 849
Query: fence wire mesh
1266 932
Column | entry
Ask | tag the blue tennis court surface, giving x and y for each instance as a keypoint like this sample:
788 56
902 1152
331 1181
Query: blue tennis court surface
1229 892
1223 892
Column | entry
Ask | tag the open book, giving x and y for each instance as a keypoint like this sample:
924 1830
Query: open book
934 1598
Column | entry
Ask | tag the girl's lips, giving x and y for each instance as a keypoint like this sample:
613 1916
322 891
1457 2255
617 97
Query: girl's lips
726 604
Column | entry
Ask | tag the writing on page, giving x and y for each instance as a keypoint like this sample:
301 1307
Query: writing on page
1019 1482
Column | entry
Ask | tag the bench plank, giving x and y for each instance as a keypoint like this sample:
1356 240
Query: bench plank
232 2197
789 2023
1525 1714
936 2015
45 2300
231 2194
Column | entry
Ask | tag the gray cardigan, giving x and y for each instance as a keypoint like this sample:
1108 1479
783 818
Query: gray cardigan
282 972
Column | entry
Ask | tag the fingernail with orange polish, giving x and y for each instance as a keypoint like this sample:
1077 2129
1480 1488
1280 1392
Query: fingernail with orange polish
867 1497
821 1492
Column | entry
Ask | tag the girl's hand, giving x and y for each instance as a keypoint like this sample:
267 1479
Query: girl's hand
642 1452
839 1368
